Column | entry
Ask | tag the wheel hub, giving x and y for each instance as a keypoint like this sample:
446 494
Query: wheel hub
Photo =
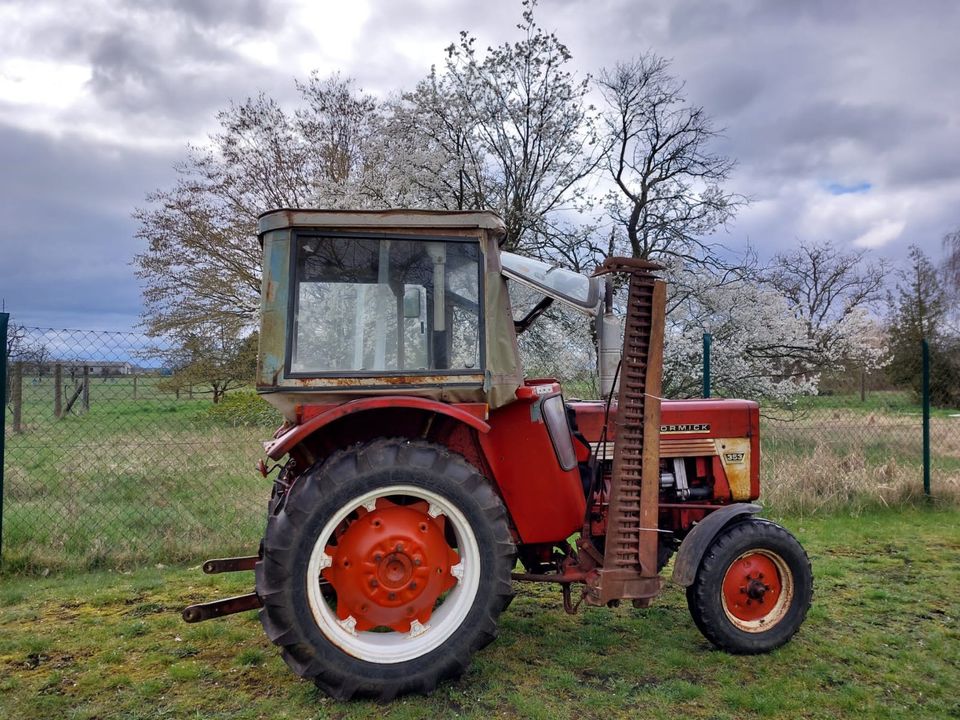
390 566
752 587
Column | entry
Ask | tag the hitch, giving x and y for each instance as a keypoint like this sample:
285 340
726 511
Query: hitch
219 608
235 564
226 606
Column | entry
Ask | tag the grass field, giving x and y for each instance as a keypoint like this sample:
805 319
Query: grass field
840 453
882 641
131 480
144 476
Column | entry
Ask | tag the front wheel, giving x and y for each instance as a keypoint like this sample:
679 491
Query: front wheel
753 588
385 569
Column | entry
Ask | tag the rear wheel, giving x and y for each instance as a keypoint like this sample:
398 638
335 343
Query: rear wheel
385 569
753 588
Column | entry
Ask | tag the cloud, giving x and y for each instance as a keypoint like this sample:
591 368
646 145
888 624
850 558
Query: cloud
844 117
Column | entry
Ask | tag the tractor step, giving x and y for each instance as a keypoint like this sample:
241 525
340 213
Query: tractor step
234 564
219 608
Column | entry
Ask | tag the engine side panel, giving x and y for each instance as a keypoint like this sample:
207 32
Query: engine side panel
545 501
709 457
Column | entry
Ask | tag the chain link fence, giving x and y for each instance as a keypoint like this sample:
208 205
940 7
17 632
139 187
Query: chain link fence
107 461
110 462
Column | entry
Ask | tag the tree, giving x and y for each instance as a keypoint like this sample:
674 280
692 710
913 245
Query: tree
918 309
202 258
830 292
760 348
217 357
509 130
668 194
427 154
951 278
951 266
17 341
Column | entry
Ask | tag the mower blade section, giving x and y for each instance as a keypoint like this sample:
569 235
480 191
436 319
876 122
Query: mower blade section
235 564
219 608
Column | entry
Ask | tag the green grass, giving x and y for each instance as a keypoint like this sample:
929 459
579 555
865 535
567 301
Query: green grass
898 402
132 480
881 641
157 478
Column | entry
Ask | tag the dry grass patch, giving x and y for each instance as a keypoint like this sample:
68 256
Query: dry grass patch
827 480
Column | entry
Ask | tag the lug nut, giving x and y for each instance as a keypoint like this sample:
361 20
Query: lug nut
399 547
374 583
391 596
378 557
413 586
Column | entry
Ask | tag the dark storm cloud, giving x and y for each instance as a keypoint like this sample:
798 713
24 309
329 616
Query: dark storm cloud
158 75
171 60
811 95
135 78
237 13
67 232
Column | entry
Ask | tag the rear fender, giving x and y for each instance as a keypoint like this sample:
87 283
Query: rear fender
697 541
283 444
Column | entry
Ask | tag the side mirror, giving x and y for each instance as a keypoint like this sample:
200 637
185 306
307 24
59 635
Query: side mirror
411 303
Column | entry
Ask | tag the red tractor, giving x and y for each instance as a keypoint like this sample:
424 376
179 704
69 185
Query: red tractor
419 465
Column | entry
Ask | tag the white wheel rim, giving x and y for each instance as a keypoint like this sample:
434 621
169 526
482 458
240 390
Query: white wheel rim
395 647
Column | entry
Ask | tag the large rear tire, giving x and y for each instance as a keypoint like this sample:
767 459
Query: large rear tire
753 588
385 569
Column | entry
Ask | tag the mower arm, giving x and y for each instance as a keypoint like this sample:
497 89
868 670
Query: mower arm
697 541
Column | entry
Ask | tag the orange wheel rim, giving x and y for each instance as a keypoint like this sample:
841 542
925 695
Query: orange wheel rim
390 566
756 591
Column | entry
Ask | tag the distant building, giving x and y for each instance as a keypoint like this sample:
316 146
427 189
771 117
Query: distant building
100 368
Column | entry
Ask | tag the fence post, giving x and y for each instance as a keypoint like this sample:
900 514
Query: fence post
86 388
58 391
16 391
4 321
707 343
925 349
134 386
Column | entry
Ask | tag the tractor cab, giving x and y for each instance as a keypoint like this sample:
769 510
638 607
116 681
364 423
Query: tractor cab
359 303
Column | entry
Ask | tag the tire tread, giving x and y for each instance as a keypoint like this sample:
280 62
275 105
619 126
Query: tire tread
282 550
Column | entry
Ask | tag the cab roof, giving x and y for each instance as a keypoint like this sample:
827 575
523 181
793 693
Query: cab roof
379 219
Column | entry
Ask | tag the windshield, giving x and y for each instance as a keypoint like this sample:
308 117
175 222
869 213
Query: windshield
578 290
371 305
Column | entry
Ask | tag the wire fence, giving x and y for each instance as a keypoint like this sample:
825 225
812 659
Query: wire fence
109 461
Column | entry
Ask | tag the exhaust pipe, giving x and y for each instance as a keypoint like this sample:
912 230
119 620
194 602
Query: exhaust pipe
610 340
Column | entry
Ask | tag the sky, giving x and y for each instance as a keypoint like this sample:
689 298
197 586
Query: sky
844 117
